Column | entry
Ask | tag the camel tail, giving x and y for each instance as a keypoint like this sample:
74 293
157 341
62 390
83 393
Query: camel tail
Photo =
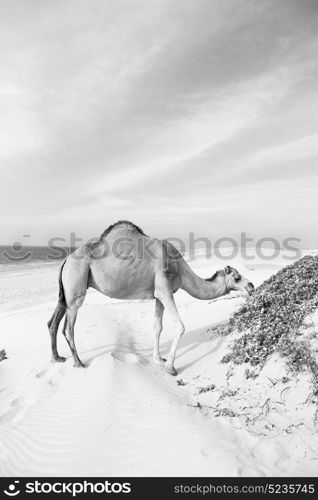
62 300
61 305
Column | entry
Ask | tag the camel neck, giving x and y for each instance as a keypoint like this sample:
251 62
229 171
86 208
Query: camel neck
201 288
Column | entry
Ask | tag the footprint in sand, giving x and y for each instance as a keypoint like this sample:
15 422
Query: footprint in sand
51 372
41 373
250 472
129 357
15 407
271 448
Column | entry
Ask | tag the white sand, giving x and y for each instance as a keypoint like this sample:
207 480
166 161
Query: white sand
123 415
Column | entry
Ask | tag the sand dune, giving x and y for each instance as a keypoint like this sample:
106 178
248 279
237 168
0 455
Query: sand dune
123 415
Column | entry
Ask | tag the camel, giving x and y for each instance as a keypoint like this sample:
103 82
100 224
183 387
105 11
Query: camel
125 263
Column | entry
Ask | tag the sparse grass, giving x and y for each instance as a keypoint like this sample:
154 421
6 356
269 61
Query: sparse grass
251 374
181 382
224 412
3 355
206 388
272 318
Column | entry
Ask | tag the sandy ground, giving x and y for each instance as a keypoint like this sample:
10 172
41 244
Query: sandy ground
123 415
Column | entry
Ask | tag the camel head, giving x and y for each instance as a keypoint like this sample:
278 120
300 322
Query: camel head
235 281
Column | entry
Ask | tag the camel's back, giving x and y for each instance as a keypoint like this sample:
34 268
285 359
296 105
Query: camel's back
125 261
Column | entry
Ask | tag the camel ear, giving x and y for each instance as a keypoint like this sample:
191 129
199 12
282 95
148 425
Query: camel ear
227 269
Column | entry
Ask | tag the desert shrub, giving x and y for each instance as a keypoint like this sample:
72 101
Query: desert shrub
272 317
3 354
250 374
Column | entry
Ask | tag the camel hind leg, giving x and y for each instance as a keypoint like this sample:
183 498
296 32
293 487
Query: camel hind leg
68 332
73 282
53 326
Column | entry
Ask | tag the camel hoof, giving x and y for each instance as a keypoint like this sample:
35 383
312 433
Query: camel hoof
58 359
79 364
160 361
170 369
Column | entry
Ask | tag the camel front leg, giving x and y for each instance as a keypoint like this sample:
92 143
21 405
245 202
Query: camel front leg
159 309
169 303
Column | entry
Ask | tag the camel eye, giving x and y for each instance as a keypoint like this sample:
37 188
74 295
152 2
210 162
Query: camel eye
237 278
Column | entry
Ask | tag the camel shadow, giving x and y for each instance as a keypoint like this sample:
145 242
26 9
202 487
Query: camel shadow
189 342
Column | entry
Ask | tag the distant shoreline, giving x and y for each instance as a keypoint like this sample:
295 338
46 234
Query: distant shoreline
14 255
11 255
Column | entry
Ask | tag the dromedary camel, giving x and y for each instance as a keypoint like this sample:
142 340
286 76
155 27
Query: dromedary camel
125 263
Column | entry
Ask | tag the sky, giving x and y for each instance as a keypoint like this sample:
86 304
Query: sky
180 115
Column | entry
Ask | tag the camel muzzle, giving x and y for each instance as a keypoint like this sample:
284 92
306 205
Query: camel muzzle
250 288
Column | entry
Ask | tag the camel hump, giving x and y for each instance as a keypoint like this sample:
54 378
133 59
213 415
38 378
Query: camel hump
123 224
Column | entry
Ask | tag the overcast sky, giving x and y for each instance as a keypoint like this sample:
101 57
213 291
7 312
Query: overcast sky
178 115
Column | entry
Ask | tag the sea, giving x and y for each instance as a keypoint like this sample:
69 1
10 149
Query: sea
18 254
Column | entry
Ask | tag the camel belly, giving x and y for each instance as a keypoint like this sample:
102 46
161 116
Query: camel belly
121 283
124 294
141 295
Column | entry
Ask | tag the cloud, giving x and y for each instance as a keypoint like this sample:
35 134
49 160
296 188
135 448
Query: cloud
300 149
109 107
222 116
